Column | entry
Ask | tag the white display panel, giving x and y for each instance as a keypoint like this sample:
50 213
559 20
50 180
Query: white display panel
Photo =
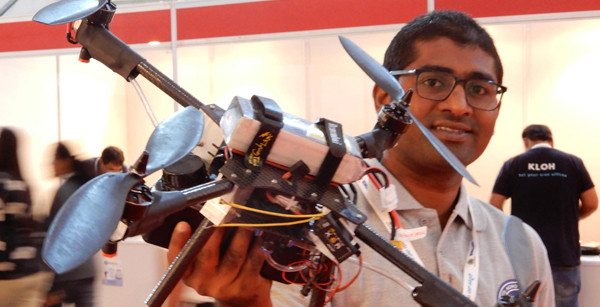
92 106
339 89
28 103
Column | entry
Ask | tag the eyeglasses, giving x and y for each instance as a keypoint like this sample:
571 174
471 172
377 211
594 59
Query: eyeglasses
437 85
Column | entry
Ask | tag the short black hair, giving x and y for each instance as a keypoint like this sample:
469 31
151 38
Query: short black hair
537 133
112 154
457 26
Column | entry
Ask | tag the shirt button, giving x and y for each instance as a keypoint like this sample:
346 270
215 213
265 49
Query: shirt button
423 222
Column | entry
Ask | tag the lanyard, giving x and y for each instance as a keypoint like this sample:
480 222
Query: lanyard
471 267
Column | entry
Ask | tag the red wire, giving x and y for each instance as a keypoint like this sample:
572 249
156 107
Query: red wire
351 281
225 152
360 260
393 213
396 218
375 181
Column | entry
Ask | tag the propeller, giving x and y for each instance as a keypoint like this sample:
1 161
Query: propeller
90 216
390 85
68 11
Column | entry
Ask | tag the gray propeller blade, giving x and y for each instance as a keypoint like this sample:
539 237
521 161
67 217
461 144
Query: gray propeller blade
86 221
90 216
174 138
518 247
390 85
67 11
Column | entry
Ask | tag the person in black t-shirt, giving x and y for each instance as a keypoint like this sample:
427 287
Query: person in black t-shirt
551 190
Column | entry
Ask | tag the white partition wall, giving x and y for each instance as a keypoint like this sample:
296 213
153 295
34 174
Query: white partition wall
339 89
92 105
28 102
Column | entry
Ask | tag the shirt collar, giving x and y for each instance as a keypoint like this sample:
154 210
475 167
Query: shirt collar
472 215
541 145
463 210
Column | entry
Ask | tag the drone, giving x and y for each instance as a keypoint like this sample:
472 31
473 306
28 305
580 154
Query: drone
255 180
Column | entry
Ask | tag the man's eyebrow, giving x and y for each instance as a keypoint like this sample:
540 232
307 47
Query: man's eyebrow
437 68
471 75
480 75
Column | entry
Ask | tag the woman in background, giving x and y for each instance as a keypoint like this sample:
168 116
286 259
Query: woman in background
22 281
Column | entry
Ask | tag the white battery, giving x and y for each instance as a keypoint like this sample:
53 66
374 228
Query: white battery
298 140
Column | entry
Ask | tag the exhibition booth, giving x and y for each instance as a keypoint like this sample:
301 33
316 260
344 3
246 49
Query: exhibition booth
289 51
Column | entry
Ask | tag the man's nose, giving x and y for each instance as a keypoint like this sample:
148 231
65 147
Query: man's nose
457 101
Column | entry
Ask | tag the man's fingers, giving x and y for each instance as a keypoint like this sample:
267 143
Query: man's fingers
181 234
235 255
255 259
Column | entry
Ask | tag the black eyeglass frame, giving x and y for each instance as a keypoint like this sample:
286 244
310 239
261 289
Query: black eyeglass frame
457 80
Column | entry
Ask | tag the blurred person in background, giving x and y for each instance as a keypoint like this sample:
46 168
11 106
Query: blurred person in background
23 282
77 285
111 160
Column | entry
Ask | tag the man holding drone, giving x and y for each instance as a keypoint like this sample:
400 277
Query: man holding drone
453 67
462 244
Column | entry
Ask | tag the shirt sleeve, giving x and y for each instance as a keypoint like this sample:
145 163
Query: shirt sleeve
585 180
502 185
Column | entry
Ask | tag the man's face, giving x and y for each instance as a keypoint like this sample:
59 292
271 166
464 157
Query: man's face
110 168
464 130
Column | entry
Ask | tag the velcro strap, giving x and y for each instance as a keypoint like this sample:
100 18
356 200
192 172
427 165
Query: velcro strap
337 149
268 113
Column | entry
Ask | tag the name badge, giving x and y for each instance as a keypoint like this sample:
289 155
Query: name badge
406 235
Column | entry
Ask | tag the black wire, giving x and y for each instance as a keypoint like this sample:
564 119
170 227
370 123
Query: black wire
376 172
343 188
393 226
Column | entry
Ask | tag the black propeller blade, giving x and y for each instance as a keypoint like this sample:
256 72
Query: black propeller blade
90 216
67 11
390 85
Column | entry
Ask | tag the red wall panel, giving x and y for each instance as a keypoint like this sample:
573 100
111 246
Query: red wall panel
292 15
142 27
488 8
132 28
19 36
274 16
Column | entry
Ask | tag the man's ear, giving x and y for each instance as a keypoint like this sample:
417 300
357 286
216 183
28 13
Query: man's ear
380 97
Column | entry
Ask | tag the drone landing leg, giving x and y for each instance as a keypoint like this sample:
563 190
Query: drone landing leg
318 296
183 260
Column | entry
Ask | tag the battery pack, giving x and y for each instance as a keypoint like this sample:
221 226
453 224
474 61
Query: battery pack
297 140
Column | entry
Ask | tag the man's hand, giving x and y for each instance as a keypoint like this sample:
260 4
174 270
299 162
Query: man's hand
232 278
